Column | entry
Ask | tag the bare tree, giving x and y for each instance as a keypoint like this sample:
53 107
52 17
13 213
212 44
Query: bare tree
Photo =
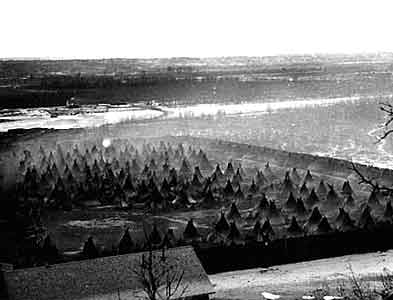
370 181
387 108
161 277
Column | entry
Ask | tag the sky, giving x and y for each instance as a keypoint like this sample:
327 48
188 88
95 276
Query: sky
188 28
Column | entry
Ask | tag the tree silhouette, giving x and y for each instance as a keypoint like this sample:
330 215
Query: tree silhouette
387 108
159 275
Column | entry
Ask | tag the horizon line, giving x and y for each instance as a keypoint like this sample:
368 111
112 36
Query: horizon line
319 54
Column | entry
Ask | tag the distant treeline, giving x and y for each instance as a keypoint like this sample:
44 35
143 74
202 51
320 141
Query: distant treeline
54 90
24 98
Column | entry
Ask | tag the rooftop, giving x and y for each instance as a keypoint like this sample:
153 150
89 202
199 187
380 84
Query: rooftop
101 278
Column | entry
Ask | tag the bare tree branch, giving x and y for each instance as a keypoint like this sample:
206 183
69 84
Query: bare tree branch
370 181
387 108
386 133
363 179
160 277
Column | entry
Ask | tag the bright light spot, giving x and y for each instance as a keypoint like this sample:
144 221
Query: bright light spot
267 295
106 143
308 297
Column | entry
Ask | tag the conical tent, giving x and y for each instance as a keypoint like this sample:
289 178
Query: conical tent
204 162
165 187
198 173
229 172
255 234
315 216
294 227
234 233
308 177
267 227
366 221
253 187
388 213
273 210
183 198
165 168
268 172
208 199
152 164
239 194
324 226
263 204
291 202
287 184
295 176
49 249
300 208
126 245
341 215
257 227
346 188
233 212
218 171
135 168
304 190
169 239
312 199
349 201
75 167
260 179
128 185
237 178
373 198
216 237
228 189
90 249
155 195
185 170
193 156
332 197
190 232
195 181
346 223
96 167
222 224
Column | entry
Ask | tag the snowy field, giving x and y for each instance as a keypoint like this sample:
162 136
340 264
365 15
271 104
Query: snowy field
292 281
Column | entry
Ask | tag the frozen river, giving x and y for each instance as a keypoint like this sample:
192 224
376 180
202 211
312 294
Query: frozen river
97 115
341 127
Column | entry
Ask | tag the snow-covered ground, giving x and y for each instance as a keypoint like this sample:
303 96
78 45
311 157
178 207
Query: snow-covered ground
254 108
292 281
83 117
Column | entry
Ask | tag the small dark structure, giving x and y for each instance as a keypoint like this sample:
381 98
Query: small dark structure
102 278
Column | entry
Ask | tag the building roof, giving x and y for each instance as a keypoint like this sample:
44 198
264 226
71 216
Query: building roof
101 278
